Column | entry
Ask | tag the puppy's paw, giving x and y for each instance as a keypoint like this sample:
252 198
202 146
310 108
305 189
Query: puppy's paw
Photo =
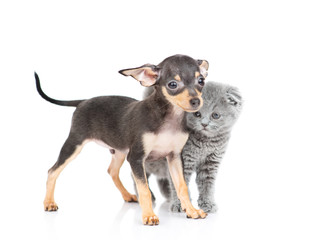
208 206
50 206
175 206
150 220
130 198
195 213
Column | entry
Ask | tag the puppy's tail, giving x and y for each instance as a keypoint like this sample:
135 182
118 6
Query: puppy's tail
74 103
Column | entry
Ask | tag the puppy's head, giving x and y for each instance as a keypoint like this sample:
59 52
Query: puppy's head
178 78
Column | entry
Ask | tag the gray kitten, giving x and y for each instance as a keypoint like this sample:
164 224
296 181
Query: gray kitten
210 132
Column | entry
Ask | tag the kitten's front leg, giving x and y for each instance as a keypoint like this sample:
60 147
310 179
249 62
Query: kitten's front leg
205 180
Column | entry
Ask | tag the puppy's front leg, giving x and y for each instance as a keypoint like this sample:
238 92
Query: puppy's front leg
144 195
144 198
176 172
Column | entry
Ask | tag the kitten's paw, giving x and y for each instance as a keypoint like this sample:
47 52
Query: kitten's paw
175 206
208 206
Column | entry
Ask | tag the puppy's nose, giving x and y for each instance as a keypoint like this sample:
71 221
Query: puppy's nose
195 102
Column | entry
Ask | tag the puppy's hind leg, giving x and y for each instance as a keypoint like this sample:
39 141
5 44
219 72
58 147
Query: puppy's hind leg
114 170
71 148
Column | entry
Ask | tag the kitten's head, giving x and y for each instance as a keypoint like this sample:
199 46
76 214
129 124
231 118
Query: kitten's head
221 109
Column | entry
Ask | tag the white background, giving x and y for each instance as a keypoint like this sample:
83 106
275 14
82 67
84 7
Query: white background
266 183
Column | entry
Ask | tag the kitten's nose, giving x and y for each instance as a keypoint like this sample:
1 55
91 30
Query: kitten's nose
195 102
204 124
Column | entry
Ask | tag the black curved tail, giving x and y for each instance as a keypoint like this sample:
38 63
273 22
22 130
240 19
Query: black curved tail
73 103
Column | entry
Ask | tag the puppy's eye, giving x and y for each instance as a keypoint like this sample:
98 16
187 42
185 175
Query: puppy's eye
197 114
216 115
172 85
201 81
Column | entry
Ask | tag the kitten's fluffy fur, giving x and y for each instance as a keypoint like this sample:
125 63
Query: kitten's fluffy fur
205 148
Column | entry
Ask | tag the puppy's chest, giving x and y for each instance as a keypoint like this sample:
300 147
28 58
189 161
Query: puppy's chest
165 142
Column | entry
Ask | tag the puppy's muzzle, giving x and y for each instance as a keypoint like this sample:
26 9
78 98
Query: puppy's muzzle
195 102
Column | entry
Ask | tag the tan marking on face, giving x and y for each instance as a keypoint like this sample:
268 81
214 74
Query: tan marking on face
197 74
148 215
199 93
49 202
176 172
182 100
114 170
177 77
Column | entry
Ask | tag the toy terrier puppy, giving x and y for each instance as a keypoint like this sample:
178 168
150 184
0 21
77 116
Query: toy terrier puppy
141 130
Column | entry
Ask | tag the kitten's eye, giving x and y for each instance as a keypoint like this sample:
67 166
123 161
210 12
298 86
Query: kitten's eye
172 85
215 115
201 81
197 114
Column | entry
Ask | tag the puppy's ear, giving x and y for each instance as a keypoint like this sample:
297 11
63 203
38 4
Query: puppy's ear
203 67
233 96
147 74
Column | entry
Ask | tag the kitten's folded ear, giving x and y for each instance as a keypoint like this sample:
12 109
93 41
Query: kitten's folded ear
233 96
